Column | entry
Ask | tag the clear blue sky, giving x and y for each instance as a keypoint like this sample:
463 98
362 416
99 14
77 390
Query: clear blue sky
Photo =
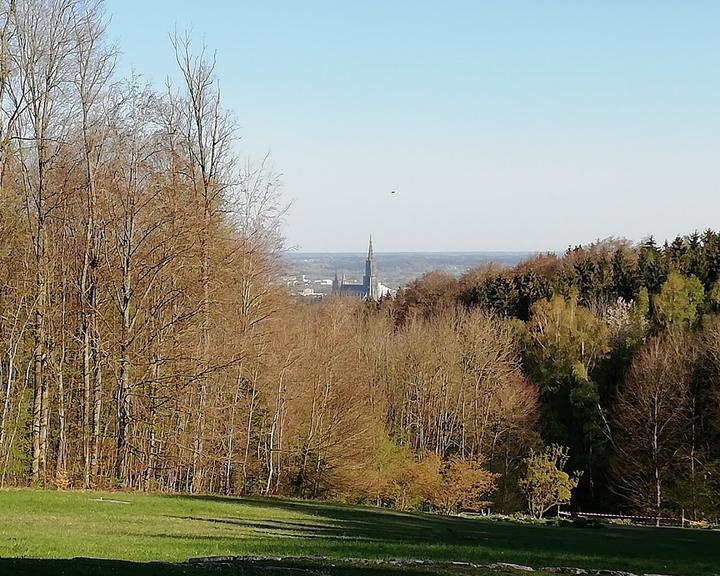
504 125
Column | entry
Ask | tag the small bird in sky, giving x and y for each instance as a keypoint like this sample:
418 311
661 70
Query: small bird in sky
393 192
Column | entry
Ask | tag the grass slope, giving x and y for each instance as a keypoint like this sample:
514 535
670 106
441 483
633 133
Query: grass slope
59 525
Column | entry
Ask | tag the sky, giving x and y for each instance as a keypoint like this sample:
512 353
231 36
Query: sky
501 125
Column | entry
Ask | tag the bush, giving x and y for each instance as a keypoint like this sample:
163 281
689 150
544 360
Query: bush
520 518
461 484
619 521
407 480
698 524
582 522
557 521
545 483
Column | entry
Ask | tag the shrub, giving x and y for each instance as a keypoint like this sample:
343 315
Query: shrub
557 521
582 522
462 484
697 524
520 518
619 521
545 483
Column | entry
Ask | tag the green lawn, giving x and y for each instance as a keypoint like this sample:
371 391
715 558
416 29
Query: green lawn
49 526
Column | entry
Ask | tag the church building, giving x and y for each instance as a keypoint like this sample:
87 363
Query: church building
369 286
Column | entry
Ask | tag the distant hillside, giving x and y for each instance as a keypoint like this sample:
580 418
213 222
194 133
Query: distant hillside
395 269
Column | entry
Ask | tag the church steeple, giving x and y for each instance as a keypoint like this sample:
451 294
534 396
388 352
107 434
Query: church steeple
370 287
370 279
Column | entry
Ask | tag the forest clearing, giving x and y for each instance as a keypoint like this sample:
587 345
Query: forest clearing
53 526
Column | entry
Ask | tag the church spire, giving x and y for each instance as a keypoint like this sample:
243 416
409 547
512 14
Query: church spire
370 279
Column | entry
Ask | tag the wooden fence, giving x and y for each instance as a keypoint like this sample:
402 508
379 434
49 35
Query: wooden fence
648 520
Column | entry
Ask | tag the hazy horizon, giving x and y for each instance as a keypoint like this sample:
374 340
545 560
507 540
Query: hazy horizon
393 252
394 269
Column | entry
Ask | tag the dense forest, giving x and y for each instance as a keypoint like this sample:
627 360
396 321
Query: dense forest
622 344
147 343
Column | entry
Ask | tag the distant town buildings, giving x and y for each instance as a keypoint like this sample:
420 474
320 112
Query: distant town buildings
369 288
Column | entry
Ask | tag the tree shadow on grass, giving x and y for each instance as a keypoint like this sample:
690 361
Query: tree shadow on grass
84 567
364 523
99 567
351 529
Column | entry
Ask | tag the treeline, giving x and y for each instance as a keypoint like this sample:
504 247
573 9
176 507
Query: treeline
621 342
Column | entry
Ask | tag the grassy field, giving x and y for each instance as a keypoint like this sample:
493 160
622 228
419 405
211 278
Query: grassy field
39 528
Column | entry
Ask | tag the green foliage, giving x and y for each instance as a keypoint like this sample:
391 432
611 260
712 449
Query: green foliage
619 521
20 441
521 518
583 395
600 271
580 321
698 494
545 483
561 335
564 342
652 267
678 300
396 479
497 292
714 297
638 321
626 279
